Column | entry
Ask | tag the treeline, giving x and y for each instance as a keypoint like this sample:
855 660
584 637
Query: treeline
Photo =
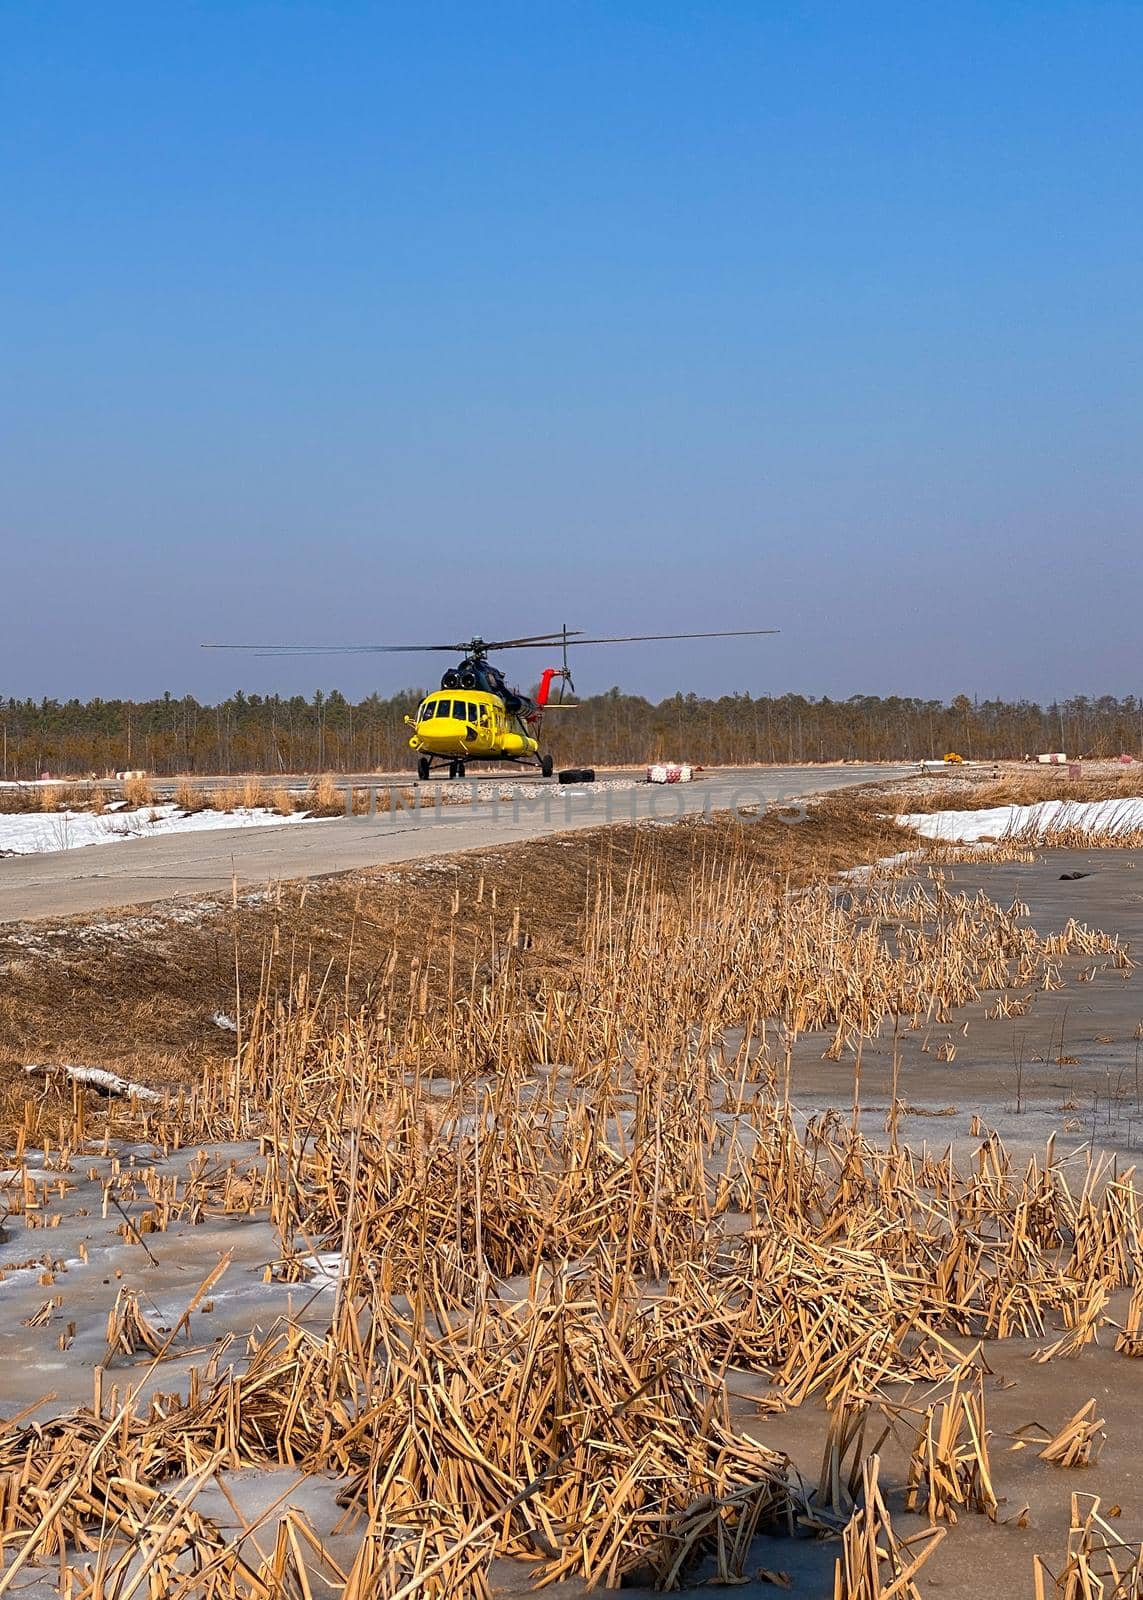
328 733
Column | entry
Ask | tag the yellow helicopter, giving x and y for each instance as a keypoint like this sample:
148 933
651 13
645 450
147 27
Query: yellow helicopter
474 715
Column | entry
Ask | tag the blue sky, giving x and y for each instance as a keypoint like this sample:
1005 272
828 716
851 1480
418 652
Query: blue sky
374 322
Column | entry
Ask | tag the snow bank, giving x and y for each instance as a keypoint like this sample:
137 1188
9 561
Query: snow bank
35 832
999 822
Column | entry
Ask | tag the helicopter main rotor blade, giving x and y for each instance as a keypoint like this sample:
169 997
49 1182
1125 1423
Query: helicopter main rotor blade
331 649
463 647
640 638
534 641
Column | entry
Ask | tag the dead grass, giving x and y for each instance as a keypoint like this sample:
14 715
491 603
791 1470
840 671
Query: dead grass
137 793
23 799
1017 788
224 797
19 798
326 797
583 1423
569 1068
136 991
190 797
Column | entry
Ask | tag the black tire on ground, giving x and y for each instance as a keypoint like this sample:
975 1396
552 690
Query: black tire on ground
460 769
546 766
577 775
568 775
587 775
424 766
452 766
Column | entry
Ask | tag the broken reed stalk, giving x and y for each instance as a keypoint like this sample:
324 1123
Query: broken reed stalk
843 1457
128 1330
1077 1444
949 1467
874 1564
1098 1564
1129 1341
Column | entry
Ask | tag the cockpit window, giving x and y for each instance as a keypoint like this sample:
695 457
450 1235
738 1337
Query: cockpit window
429 709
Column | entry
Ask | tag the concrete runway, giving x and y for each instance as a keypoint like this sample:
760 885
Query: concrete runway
141 871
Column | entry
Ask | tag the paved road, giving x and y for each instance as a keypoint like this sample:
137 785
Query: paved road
139 871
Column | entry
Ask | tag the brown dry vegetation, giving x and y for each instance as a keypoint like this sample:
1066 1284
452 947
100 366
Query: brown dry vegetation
138 991
137 793
677 1232
1015 786
1047 828
324 796
20 799
538 1101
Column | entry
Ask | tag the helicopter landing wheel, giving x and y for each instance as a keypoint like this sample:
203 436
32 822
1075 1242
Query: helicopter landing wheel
452 769
423 767
460 769
546 766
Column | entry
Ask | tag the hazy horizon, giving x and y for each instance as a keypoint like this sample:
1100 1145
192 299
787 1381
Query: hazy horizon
389 323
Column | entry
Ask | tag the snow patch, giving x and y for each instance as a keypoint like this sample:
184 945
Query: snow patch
323 1269
864 874
40 832
1000 822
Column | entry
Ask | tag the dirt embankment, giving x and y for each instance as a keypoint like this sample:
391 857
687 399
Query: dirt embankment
150 992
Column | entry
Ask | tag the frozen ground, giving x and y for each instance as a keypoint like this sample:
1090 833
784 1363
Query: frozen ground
37 832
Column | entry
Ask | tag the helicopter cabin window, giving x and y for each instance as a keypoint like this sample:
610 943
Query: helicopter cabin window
471 712
429 709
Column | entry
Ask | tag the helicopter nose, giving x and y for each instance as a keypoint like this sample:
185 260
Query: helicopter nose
448 734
